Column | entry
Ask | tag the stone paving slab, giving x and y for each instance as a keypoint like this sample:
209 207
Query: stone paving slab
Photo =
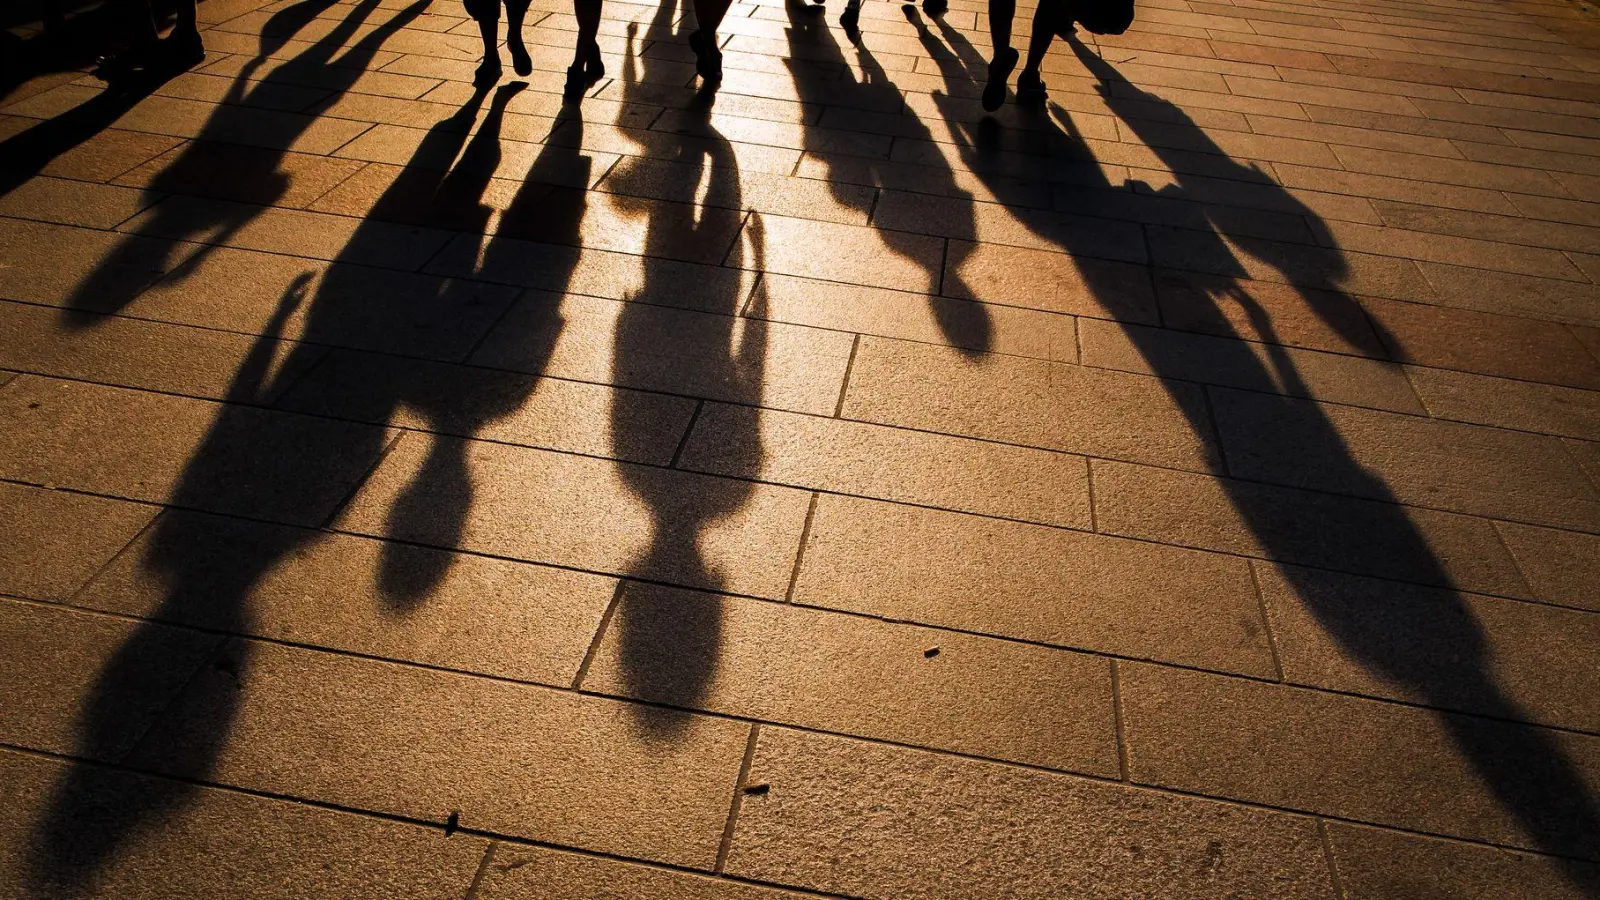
156 447
482 615
811 486
1375 863
698 530
56 541
71 707
1319 752
987 576
925 825
424 744
224 843
858 676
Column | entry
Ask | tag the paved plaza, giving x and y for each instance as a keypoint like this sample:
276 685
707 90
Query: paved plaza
808 485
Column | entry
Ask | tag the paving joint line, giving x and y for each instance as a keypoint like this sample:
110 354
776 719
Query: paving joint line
948 629
1329 858
483 868
599 634
402 819
1027 767
1266 620
800 552
740 781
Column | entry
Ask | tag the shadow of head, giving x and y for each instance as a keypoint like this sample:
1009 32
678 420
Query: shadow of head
213 165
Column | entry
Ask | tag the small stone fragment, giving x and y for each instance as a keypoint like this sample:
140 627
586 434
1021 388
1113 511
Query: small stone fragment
931 652
757 789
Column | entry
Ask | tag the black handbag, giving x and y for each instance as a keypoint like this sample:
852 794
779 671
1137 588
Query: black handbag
1103 16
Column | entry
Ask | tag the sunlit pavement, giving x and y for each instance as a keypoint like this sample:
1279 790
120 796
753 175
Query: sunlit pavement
812 486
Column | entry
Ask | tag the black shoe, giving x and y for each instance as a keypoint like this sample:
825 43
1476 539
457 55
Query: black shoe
577 83
935 7
851 17
1030 89
182 52
707 58
994 93
521 63
169 56
488 73
593 66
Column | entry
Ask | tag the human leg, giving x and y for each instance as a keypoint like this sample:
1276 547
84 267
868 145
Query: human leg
1001 12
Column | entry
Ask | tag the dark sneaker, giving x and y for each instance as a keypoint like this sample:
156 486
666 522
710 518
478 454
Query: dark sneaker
994 93
1031 89
487 74
935 7
577 83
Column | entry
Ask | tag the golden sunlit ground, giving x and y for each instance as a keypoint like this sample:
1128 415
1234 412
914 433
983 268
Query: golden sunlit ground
808 485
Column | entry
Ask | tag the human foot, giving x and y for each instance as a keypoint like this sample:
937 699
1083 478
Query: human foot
1030 89
994 93
707 58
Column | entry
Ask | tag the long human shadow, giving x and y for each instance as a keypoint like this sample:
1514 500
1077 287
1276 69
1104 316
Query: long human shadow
669 644
965 326
297 471
1427 643
256 174
27 153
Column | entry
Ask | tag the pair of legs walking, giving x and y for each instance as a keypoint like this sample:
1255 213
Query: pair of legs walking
487 14
180 50
1051 19
588 68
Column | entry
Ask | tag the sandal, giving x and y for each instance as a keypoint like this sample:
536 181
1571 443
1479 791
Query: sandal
707 58
994 93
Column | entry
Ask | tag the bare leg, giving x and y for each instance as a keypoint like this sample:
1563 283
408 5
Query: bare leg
588 14
487 14
1030 87
516 11
1039 41
709 14
1001 12
708 57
